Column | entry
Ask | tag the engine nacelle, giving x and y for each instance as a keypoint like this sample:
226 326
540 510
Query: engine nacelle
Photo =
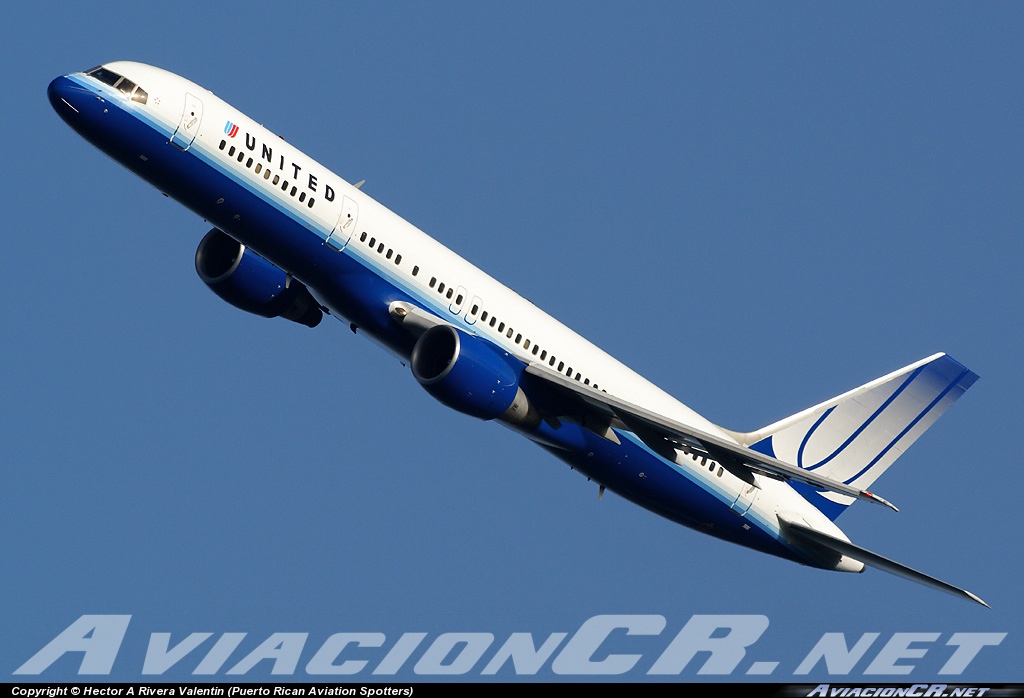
251 283
466 374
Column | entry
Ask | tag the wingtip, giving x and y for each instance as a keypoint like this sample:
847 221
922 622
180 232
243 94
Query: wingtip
977 598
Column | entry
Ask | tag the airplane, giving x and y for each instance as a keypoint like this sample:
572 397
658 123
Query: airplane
292 239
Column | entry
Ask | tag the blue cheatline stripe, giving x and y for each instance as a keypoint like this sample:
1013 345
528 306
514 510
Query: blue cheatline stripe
279 201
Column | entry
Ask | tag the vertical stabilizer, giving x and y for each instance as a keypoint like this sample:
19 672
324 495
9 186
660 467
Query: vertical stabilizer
855 437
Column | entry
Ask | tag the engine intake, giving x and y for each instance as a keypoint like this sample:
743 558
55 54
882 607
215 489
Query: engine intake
251 283
467 374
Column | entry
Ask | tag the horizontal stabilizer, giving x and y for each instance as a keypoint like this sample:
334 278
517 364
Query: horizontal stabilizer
803 534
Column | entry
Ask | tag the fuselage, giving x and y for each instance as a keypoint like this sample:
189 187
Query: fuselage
358 259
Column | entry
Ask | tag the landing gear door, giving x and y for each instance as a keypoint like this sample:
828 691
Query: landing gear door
188 127
346 225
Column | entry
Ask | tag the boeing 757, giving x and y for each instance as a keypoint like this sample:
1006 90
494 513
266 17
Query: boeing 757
292 239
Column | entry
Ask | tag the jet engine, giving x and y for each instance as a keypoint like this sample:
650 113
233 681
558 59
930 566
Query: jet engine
251 283
467 374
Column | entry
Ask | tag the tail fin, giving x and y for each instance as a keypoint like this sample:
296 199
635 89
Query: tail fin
855 437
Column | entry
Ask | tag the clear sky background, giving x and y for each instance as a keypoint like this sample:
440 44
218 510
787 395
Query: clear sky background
756 206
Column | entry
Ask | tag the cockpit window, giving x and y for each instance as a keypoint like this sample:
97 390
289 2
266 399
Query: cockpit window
104 75
136 93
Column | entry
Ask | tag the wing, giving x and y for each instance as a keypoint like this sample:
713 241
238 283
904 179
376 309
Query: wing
664 436
601 413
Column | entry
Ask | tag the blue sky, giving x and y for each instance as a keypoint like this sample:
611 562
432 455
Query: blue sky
756 206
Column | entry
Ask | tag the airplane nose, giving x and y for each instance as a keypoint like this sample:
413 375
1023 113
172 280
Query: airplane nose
66 97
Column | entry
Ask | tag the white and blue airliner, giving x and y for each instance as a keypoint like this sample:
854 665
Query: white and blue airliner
294 240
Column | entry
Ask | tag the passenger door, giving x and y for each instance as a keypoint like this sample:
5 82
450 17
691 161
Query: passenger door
345 226
188 127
